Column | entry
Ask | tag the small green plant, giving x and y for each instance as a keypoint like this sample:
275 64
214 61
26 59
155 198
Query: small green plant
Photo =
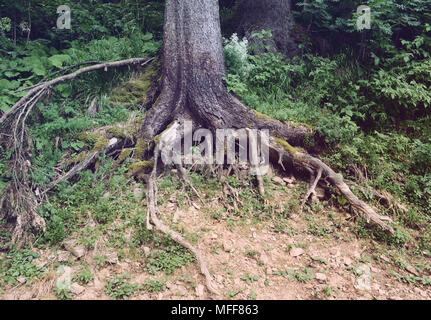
168 258
19 264
84 276
154 285
120 288
63 294
100 261
249 278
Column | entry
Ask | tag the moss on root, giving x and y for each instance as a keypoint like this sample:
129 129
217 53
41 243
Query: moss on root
140 167
124 154
286 146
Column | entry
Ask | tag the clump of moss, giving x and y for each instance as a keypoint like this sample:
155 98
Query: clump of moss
100 143
134 91
300 124
117 132
140 167
286 146
140 149
124 154
261 116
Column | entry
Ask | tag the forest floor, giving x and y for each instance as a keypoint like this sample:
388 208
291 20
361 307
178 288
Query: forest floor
264 253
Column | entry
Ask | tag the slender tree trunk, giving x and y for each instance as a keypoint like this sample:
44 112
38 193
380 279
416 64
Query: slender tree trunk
274 15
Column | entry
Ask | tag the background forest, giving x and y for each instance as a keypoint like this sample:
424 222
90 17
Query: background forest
366 92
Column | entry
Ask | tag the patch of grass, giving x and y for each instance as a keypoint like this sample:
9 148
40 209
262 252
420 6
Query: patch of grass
303 275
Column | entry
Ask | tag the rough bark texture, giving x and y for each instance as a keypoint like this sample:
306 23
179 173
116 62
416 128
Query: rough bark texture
274 15
192 77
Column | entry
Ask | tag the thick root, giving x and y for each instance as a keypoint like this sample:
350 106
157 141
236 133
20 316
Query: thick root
289 153
152 214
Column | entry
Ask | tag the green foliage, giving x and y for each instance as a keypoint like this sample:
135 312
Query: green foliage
84 276
168 258
18 264
154 285
120 288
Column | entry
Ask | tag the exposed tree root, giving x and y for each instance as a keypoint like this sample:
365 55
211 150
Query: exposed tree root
312 189
152 213
309 162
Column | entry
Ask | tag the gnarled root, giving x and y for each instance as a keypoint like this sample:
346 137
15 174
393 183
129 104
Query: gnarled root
152 214
306 161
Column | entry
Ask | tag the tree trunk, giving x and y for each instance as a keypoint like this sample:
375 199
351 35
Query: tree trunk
274 15
192 77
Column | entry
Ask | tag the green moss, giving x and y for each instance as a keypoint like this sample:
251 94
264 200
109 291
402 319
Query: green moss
124 154
117 132
141 166
261 116
300 124
286 146
100 143
140 148
134 91
77 159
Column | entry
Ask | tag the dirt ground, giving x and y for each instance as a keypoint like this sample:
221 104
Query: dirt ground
251 260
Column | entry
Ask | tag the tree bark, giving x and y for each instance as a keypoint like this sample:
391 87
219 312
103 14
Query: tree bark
274 15
192 78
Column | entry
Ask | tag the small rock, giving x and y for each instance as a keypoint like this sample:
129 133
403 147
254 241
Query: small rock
412 270
363 283
213 236
198 207
278 180
347 261
321 277
227 246
296 252
63 256
21 280
288 180
112 258
106 195
320 193
138 193
147 251
200 290
268 271
76 289
75 249
64 281
385 258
